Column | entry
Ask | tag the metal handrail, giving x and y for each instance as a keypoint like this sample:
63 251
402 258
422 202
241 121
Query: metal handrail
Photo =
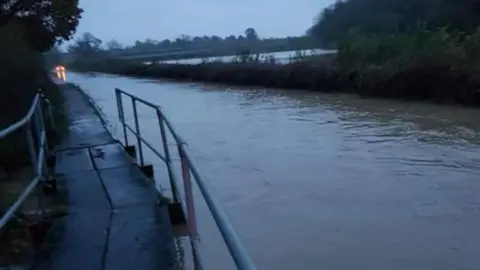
38 153
235 247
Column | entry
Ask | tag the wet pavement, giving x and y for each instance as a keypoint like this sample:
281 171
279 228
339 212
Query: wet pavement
115 219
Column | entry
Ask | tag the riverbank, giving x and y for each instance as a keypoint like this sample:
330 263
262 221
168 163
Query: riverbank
424 82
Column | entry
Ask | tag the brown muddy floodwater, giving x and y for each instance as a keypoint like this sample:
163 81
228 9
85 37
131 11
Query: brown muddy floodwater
316 181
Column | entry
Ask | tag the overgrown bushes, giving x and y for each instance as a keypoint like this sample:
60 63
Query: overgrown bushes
427 64
22 74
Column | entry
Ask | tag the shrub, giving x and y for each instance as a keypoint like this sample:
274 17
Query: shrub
22 74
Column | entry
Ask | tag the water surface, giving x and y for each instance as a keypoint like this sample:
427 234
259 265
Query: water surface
317 181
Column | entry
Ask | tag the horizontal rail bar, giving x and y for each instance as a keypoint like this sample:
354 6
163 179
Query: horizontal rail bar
236 249
177 137
145 142
239 254
14 127
37 155
40 155
137 98
11 211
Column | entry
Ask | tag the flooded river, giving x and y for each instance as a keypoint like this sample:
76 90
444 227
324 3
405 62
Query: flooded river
317 181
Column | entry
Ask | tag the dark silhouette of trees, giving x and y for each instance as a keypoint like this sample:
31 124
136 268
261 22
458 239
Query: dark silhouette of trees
393 16
45 21
87 45
224 45
114 45
251 34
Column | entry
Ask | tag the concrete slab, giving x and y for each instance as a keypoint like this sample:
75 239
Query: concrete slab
73 160
113 221
127 186
77 186
78 243
86 128
109 156
138 239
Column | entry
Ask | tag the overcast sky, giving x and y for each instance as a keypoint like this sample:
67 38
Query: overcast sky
127 21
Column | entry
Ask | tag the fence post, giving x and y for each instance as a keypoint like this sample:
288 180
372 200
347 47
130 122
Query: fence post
166 152
31 144
41 128
137 129
187 184
121 115
49 107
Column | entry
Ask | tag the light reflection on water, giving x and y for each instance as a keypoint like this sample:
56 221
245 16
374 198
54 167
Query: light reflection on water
324 180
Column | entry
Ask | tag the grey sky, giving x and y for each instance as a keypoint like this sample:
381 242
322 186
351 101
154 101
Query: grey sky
127 21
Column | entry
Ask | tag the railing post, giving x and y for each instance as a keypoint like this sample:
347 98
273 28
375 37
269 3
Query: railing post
41 145
31 144
166 152
197 262
187 185
137 129
41 128
33 157
49 110
121 116
53 125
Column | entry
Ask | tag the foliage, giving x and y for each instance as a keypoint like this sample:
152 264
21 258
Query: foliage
22 74
245 56
86 45
53 57
46 21
393 16
113 45
251 34
439 46
380 66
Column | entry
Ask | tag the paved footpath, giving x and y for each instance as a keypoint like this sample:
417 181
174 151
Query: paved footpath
115 218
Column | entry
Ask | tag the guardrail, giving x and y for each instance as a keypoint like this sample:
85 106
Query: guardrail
36 137
188 167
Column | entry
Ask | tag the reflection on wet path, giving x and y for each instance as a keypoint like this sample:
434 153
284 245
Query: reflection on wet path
316 181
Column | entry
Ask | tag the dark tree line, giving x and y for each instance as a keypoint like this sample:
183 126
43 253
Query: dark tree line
251 40
46 22
29 28
393 16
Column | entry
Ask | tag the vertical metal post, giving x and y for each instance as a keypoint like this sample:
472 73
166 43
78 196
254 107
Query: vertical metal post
44 179
187 185
41 122
49 107
39 128
31 144
197 263
137 129
34 128
166 152
121 116
50 115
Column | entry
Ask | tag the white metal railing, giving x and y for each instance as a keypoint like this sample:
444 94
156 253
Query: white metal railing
189 168
35 134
